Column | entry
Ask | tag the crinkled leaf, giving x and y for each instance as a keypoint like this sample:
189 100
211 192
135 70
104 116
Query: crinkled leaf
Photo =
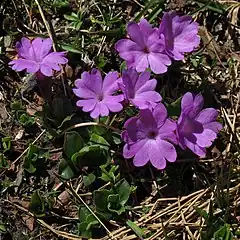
124 190
100 198
114 204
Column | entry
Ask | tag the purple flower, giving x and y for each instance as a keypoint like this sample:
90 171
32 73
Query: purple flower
147 138
139 89
144 49
37 56
97 95
196 128
179 34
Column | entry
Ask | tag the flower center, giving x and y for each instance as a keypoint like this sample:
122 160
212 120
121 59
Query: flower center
152 135
146 50
100 97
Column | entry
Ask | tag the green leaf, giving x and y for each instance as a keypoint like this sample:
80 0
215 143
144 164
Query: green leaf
139 232
67 173
72 143
223 233
26 120
70 48
31 158
100 61
202 213
148 6
93 156
36 205
2 228
65 120
3 161
82 228
114 204
109 176
124 190
174 109
89 179
16 106
96 139
72 17
6 142
100 198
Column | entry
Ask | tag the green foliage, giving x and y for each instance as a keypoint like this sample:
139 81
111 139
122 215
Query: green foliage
3 161
72 143
31 159
174 108
223 233
94 156
6 143
138 231
114 200
111 175
89 179
37 205
25 119
77 155
76 19
216 228
2 227
87 222
34 159
97 139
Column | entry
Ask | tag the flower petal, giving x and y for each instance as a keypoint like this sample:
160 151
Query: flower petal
130 151
21 64
142 79
214 126
141 62
205 138
201 152
135 33
110 84
100 109
46 70
87 105
160 114
142 156
158 62
167 131
149 85
207 115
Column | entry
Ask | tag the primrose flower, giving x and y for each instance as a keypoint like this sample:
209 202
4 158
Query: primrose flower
179 34
144 48
139 89
97 95
196 128
36 56
147 138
